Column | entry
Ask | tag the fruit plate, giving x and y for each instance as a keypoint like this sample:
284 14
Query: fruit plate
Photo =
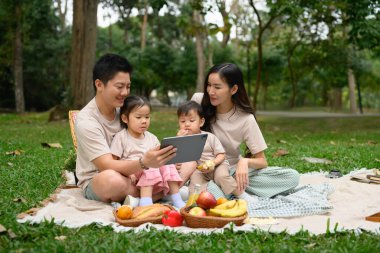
137 222
210 221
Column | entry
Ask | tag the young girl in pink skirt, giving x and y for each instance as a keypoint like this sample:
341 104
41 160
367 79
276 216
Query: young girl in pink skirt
133 141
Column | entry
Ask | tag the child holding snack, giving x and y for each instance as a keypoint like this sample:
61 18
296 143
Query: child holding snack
212 165
133 141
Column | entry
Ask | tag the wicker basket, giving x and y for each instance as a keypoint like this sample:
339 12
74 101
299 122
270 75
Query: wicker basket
138 222
209 221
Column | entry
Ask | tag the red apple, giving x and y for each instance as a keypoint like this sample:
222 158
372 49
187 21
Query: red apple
197 211
206 200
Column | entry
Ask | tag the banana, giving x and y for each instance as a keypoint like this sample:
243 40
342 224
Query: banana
238 210
226 205
207 165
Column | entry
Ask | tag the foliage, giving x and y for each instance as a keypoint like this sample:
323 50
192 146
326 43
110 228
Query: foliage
305 48
45 54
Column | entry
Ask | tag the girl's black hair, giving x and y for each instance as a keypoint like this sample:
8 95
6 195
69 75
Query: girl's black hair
188 106
231 74
130 103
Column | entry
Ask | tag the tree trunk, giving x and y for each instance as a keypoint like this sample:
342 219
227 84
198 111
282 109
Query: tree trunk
350 72
261 29
143 28
201 61
18 58
83 48
226 24
62 14
292 81
336 98
259 70
110 44
351 88
248 69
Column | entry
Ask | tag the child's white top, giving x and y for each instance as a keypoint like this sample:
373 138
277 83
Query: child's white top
126 147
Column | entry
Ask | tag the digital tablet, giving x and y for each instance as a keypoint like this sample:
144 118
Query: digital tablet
189 147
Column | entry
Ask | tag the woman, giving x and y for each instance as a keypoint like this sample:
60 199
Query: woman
230 117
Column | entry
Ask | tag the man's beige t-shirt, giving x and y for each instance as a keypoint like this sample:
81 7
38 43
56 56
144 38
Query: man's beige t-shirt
233 128
126 147
94 135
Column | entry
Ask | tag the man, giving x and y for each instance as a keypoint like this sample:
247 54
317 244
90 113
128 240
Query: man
100 176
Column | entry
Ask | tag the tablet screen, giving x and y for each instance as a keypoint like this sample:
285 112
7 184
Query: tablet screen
189 147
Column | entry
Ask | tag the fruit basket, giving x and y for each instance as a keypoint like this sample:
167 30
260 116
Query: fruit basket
209 221
137 222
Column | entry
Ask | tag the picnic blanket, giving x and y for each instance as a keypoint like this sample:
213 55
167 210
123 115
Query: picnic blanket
318 205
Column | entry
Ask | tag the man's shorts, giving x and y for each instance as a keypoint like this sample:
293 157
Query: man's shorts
89 193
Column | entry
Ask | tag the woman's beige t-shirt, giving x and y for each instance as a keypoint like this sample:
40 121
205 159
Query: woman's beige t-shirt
94 135
233 128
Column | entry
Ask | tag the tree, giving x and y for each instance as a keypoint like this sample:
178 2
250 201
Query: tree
62 14
18 59
83 48
199 41
276 10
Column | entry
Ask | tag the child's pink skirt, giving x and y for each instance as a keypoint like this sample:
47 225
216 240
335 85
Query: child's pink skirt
159 178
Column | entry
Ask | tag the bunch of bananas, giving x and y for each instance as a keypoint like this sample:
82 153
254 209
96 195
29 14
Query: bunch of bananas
232 208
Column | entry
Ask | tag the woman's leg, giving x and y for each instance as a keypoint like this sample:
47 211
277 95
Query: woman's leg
271 181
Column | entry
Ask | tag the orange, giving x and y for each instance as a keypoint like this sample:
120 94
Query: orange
124 212
221 200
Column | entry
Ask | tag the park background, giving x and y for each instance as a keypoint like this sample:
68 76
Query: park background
294 54
299 56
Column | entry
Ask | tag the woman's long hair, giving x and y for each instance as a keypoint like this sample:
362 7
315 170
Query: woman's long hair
231 74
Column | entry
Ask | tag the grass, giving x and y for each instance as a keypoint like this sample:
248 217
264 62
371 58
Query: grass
27 179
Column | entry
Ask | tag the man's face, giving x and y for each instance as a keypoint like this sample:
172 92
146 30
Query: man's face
116 90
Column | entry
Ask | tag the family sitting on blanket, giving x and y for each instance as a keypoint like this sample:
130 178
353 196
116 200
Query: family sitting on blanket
227 113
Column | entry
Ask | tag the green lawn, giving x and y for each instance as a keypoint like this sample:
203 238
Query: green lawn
27 179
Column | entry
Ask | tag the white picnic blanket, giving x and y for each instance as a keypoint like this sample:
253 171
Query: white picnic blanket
351 202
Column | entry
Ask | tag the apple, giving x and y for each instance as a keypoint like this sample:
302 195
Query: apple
206 200
197 211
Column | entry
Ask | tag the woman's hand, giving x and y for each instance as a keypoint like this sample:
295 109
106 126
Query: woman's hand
157 157
242 174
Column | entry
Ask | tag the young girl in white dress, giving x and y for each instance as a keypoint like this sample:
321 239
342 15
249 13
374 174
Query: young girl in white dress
133 141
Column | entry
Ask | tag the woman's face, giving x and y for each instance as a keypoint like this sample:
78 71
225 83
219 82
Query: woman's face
218 90
138 120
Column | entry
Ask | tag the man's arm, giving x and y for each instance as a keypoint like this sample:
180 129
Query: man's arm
153 158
